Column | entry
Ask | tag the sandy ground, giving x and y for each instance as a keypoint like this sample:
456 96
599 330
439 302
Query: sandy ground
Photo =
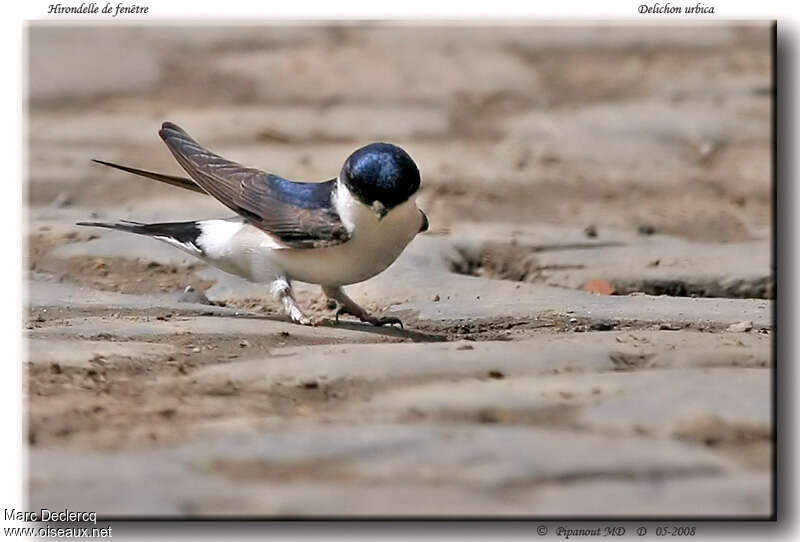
588 320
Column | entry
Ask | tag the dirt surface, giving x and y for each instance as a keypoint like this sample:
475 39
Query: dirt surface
557 162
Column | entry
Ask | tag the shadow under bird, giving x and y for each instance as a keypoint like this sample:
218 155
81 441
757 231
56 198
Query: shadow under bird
331 233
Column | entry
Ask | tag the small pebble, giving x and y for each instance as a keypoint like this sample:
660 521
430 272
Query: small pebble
603 325
488 415
599 286
196 349
646 229
590 230
436 298
740 327
190 295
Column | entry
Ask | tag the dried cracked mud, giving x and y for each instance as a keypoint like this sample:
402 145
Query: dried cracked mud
588 323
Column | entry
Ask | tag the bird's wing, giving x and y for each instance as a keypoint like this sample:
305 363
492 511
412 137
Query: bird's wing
181 182
296 214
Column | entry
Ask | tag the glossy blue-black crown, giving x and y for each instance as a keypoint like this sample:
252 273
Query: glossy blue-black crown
381 172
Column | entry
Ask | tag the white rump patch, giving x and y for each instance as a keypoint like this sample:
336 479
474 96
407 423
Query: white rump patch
217 236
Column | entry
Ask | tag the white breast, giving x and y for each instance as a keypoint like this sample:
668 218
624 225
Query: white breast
373 246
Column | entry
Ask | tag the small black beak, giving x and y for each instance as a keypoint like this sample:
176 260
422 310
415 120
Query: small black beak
379 209
424 226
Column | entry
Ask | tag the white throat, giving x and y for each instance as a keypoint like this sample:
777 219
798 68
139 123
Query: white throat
356 215
401 222
346 204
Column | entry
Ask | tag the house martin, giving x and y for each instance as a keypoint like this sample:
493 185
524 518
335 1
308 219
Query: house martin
330 233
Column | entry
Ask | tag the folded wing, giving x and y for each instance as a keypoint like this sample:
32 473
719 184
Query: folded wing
181 182
297 214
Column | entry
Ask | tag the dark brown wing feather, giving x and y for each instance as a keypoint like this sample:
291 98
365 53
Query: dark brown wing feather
299 215
181 182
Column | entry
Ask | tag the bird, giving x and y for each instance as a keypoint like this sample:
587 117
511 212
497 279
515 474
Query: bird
332 233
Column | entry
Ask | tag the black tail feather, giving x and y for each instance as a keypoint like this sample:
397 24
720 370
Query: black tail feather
185 233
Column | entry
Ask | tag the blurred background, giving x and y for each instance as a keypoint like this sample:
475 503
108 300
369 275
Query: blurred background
621 126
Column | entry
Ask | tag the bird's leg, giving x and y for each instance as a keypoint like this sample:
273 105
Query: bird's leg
282 291
348 306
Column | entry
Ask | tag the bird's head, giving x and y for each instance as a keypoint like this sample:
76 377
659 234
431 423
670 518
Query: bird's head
381 176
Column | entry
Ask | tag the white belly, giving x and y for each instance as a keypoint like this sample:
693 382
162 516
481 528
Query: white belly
246 251
373 246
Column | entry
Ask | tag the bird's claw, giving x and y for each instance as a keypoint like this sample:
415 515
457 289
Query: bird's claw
382 321
374 320
297 316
